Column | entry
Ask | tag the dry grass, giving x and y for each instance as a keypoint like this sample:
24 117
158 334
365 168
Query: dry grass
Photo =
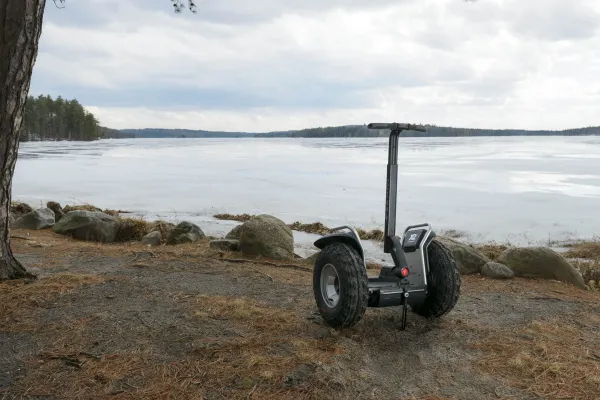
274 343
374 234
272 357
228 373
133 229
80 207
247 349
91 207
584 249
454 233
590 270
234 217
585 256
547 358
492 250
18 297
313 227
18 208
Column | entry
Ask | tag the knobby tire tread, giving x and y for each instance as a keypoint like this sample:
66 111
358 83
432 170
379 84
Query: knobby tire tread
353 278
445 276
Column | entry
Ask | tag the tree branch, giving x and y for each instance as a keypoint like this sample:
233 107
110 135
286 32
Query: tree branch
178 5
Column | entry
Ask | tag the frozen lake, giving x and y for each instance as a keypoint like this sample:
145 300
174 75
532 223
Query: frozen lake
526 190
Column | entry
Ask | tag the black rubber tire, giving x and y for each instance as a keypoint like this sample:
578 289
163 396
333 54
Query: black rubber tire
443 282
353 285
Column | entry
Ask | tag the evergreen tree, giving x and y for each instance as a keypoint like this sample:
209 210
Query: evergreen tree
46 118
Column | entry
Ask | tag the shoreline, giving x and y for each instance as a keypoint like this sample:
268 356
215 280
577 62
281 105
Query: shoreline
306 230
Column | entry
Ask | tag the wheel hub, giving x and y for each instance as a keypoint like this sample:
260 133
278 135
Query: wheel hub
330 285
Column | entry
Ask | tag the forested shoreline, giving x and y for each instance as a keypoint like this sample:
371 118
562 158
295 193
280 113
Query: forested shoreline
60 119
358 131
51 119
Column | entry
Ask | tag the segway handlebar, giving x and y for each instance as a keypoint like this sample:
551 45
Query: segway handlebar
395 125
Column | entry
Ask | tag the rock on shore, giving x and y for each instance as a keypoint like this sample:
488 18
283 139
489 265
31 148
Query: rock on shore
88 225
57 209
497 271
265 235
185 232
469 259
36 219
540 262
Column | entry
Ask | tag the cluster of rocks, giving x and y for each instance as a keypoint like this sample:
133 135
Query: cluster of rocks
92 224
262 235
268 236
526 262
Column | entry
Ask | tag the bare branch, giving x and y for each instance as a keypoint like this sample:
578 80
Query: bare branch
178 5
59 3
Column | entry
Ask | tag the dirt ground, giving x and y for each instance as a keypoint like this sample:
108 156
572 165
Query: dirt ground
187 322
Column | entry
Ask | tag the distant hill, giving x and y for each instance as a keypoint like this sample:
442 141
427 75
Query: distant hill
108 133
356 131
182 133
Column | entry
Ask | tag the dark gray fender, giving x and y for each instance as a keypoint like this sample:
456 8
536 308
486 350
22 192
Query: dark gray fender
350 238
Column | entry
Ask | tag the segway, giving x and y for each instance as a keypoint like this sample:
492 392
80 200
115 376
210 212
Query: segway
424 276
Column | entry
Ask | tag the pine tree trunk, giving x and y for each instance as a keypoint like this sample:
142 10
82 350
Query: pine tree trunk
20 29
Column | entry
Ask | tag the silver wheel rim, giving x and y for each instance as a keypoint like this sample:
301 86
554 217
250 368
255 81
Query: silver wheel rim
330 285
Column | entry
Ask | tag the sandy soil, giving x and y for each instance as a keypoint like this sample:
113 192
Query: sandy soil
126 321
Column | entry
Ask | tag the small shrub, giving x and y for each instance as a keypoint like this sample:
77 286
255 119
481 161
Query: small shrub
80 207
584 249
374 234
315 227
234 217
133 229
19 209
492 250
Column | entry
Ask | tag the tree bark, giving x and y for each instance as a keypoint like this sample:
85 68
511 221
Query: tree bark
20 30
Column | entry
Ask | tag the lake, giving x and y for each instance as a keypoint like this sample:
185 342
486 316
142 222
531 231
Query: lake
526 190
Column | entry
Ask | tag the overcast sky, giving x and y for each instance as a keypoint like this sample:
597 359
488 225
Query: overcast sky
288 64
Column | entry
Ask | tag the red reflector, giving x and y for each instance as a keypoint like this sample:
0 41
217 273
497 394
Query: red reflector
404 272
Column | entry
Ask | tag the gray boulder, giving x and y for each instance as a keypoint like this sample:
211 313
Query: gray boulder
265 235
185 232
225 244
92 226
58 211
540 262
469 259
497 271
234 233
152 239
37 219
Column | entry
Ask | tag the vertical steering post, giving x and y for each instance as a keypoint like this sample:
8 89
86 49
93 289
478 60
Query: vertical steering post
391 191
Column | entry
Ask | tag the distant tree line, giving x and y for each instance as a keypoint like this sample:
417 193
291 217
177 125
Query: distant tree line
46 118
59 119
150 133
432 131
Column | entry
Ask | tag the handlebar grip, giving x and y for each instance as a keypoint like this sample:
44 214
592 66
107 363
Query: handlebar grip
408 127
376 125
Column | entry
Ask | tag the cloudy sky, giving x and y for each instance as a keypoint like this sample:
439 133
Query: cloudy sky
288 64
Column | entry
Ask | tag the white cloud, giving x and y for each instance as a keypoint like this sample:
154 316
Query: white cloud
297 64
